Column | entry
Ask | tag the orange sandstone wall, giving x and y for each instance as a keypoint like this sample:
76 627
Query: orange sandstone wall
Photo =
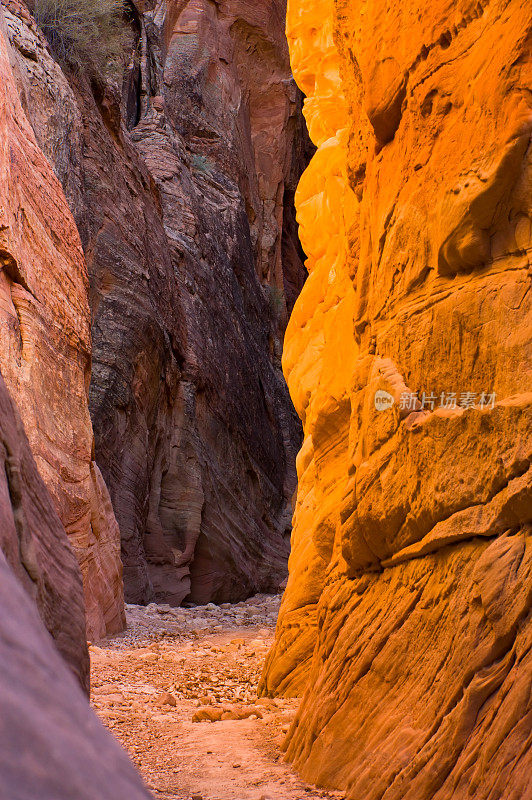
319 348
406 619
45 350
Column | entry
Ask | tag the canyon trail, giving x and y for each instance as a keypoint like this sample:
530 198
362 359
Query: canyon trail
173 665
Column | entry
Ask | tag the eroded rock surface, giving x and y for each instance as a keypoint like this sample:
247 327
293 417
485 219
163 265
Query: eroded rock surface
35 547
181 174
52 745
406 620
45 349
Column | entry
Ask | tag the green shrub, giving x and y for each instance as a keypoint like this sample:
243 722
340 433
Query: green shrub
82 33
277 301
201 164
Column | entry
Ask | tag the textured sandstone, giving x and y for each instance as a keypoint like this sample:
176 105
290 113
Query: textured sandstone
34 544
53 747
45 349
224 151
181 181
406 617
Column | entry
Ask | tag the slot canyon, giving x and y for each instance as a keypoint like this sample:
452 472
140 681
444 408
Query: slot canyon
265 400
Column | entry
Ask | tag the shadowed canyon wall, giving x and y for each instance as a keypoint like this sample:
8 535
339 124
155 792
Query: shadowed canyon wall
35 547
180 171
45 350
406 620
52 745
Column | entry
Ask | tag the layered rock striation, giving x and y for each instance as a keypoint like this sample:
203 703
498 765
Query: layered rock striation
52 745
180 170
45 349
222 135
406 620
35 548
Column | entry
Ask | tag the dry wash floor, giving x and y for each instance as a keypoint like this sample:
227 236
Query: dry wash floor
156 685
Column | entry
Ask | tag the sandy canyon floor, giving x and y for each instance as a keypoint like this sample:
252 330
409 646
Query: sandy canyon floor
178 689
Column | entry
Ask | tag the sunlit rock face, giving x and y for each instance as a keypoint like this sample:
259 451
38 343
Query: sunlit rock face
45 350
405 619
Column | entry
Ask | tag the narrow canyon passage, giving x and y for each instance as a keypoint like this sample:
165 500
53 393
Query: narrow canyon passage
265 323
178 689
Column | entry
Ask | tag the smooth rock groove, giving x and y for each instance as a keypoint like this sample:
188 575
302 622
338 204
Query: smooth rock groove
180 172
406 620
45 349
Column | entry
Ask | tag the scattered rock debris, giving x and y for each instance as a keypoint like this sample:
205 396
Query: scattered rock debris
178 689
